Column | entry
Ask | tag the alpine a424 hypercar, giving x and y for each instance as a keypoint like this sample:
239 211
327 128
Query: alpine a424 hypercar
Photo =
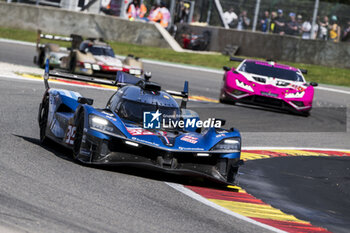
117 134
268 83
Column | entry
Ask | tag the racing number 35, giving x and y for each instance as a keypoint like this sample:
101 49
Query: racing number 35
70 135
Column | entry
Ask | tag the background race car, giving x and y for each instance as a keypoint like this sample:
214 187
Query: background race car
267 83
50 51
88 57
120 133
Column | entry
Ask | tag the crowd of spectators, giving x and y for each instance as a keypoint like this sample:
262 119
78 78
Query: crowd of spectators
292 24
158 13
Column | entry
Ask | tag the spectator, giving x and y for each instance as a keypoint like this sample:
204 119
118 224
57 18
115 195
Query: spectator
135 10
306 30
243 21
279 23
165 15
346 33
185 12
273 23
292 25
230 17
316 27
334 32
324 25
300 23
265 22
154 13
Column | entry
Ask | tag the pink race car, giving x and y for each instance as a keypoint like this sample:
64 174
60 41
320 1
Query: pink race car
269 84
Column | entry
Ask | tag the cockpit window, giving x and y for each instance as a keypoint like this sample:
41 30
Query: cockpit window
97 50
271 71
134 111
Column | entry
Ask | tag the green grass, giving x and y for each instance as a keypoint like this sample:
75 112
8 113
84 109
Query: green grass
321 74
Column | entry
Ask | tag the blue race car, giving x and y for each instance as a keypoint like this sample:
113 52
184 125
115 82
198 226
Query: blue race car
128 130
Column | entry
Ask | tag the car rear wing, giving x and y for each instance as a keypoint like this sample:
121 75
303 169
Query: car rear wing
121 80
237 59
75 39
183 95
303 71
50 37
60 74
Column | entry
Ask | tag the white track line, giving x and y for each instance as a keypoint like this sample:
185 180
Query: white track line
333 90
205 201
17 42
57 82
175 65
292 148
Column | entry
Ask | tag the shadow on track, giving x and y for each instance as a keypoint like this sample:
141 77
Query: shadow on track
193 180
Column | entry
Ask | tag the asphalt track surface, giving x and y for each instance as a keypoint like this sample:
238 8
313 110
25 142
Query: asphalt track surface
313 188
42 190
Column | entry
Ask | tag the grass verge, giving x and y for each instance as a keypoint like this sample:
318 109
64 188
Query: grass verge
321 74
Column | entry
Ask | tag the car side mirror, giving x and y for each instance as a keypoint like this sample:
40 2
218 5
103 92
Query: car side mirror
226 68
314 84
83 100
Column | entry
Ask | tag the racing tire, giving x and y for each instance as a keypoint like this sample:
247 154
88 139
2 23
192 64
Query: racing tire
224 100
305 113
72 64
231 175
78 136
41 59
43 116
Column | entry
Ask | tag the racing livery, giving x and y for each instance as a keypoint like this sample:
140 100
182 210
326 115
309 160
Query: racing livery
117 134
268 83
92 56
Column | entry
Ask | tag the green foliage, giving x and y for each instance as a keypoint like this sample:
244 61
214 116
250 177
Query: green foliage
321 74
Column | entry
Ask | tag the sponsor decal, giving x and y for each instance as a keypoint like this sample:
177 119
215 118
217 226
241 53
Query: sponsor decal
189 139
139 131
70 135
192 149
151 120
155 120
144 141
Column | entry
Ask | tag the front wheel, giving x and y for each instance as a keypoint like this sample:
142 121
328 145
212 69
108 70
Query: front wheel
224 100
43 116
231 175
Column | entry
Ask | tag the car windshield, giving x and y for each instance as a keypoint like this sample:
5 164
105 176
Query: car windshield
267 70
101 51
134 111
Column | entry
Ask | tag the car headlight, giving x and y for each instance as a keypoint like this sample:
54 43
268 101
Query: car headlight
228 145
100 124
244 86
87 65
295 95
135 71
95 67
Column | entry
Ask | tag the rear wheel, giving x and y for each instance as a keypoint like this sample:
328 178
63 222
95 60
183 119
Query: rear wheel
72 63
78 136
43 116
